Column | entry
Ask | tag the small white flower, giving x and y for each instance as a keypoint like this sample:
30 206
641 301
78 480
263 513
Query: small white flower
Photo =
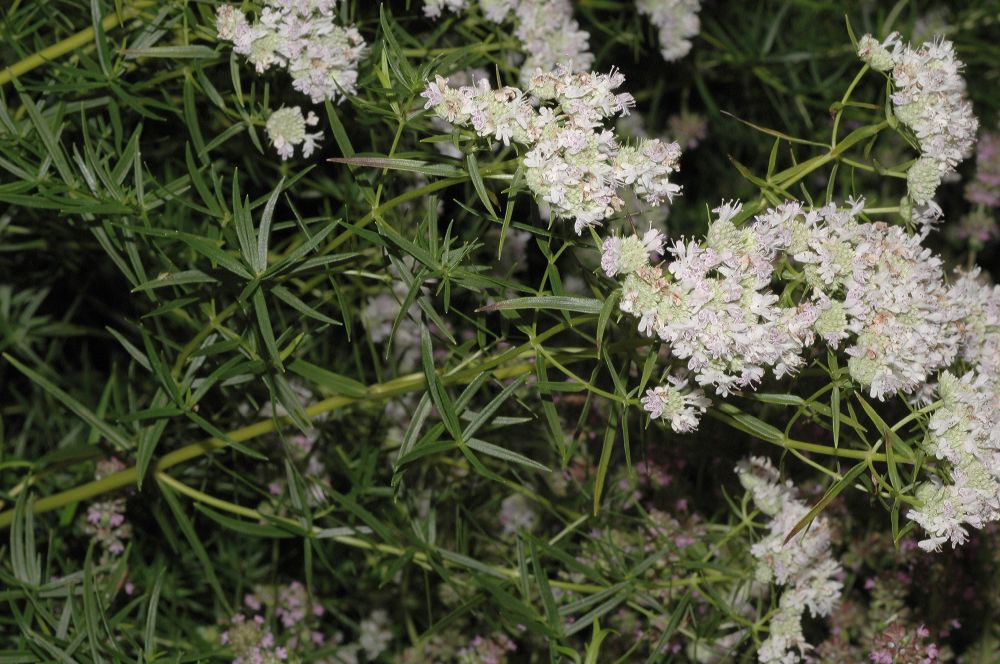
877 54
677 22
573 164
802 566
375 634
676 403
516 514
546 30
302 37
962 432
923 179
433 8
286 128
930 98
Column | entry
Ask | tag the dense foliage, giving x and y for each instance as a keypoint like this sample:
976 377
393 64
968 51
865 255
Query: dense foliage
499 331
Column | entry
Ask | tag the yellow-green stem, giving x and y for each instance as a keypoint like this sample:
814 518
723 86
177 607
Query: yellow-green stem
378 391
70 44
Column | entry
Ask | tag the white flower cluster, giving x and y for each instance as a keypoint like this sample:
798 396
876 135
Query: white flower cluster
929 98
301 37
713 306
286 128
803 566
517 513
979 328
433 8
676 403
677 21
963 432
573 163
873 281
548 33
870 283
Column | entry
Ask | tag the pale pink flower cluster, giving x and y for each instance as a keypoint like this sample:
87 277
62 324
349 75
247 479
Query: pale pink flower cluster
517 513
286 129
296 611
803 566
713 306
985 187
302 37
574 164
298 618
487 650
683 407
252 641
875 283
963 432
871 285
546 30
930 98
105 520
979 328
433 8
374 634
688 129
677 22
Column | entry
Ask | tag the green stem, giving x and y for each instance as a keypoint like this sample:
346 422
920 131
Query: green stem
843 102
872 169
790 176
790 444
477 48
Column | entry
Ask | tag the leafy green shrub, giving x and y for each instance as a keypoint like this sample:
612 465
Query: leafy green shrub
437 331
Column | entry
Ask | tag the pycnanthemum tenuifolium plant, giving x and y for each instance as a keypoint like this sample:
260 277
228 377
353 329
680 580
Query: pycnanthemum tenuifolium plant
302 364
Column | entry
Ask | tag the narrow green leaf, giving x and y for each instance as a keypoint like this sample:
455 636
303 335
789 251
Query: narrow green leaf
396 164
266 331
504 454
487 412
247 528
335 383
554 302
174 52
26 563
113 435
195 542
292 300
750 424
91 605
446 409
100 39
52 145
602 466
780 399
175 279
827 498
607 309
478 184
264 233
149 633
551 609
